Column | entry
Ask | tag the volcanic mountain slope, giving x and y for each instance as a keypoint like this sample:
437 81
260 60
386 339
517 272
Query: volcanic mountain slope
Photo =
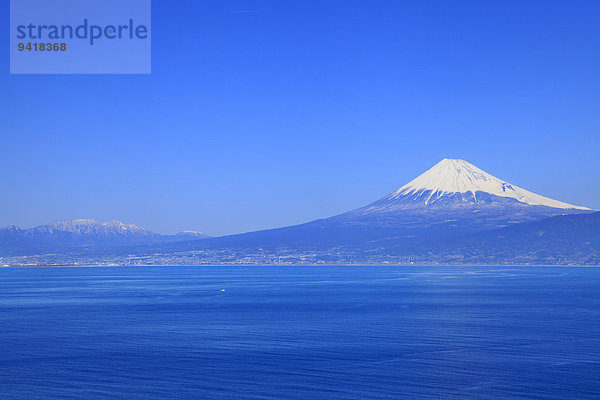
452 198
564 239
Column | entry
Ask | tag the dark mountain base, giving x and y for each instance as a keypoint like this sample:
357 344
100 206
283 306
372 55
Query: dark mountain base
560 240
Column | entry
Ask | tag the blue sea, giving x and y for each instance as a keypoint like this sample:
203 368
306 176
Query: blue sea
300 333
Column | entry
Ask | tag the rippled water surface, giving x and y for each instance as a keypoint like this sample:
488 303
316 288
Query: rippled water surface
300 333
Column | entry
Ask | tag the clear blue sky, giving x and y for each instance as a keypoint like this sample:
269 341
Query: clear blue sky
260 114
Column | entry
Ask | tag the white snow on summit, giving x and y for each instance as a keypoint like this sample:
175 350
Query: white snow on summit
92 226
459 176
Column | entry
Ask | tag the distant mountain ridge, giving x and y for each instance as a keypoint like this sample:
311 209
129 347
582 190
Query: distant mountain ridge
91 226
73 234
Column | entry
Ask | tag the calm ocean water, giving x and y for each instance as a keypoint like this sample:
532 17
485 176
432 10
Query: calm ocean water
300 333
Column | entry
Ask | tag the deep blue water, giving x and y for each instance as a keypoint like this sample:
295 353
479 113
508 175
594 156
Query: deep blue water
300 333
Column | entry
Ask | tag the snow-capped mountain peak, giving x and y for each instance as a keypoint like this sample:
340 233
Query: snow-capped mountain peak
193 234
451 176
86 226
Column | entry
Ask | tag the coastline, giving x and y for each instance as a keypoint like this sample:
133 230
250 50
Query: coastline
304 265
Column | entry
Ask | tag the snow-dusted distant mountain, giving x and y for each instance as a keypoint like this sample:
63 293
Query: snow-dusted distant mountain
90 227
190 235
82 233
